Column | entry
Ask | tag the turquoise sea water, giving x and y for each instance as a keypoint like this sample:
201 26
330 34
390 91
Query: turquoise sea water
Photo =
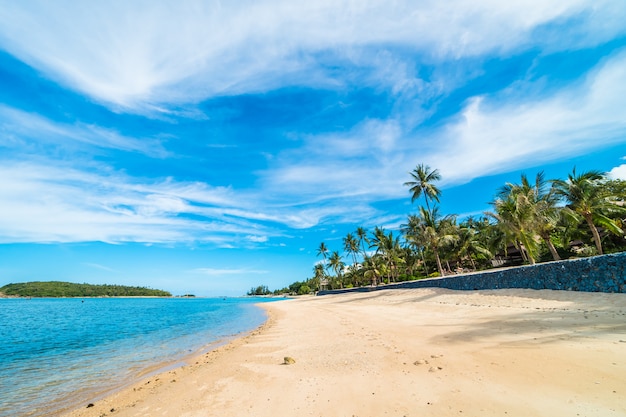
61 353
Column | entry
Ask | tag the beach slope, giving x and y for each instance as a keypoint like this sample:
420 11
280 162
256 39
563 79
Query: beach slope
422 352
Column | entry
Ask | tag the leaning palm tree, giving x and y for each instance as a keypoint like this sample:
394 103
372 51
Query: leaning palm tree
422 184
586 199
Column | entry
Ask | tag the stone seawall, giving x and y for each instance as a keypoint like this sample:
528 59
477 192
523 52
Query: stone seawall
606 273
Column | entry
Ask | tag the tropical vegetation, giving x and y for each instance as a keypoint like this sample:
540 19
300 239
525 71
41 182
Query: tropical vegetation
531 221
68 289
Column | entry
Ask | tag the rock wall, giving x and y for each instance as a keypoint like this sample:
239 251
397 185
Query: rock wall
606 273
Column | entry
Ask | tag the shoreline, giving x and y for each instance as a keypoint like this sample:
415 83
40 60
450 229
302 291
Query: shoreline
404 352
138 378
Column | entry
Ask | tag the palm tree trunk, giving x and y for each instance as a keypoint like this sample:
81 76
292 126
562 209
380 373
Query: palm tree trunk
522 251
439 263
555 254
594 232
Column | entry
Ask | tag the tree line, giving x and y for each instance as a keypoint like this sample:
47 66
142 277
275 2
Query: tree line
68 289
531 221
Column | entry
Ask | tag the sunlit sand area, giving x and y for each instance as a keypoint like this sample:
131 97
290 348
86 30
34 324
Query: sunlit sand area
421 352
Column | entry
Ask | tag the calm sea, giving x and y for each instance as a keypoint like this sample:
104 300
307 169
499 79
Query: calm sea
60 353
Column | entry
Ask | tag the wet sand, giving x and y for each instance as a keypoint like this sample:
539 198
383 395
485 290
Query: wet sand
422 352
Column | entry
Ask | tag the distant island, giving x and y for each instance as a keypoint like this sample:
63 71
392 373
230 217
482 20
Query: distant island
69 289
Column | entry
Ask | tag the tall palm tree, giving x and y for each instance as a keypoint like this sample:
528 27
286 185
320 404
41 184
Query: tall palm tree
351 246
361 235
586 199
422 184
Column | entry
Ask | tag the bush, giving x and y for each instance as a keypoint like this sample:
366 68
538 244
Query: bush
304 289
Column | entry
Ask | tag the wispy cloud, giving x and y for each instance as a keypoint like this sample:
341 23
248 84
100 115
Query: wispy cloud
22 129
60 204
491 135
157 57
149 55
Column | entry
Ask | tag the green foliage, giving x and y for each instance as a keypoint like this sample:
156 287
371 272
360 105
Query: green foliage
260 290
540 220
68 289
304 290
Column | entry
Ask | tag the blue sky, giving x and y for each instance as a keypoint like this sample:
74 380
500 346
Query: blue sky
209 147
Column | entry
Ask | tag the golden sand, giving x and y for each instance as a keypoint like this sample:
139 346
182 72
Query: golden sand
422 352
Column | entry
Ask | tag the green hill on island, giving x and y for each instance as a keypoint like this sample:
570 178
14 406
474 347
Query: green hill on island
68 289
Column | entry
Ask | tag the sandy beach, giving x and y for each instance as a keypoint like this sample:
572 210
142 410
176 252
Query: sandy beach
423 352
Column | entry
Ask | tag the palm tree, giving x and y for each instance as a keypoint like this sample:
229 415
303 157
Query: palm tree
469 245
531 210
361 235
586 199
322 250
515 219
423 184
435 232
319 276
372 269
336 263
351 246
411 231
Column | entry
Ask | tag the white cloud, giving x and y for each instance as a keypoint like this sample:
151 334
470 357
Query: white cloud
58 204
618 172
257 239
19 127
149 54
493 137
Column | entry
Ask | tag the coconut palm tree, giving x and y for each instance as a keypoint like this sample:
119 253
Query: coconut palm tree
422 184
435 232
412 236
322 250
361 235
351 246
587 199
319 276
469 245
532 213
336 263
515 220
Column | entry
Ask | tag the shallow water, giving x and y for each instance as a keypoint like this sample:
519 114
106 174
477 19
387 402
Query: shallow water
59 353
